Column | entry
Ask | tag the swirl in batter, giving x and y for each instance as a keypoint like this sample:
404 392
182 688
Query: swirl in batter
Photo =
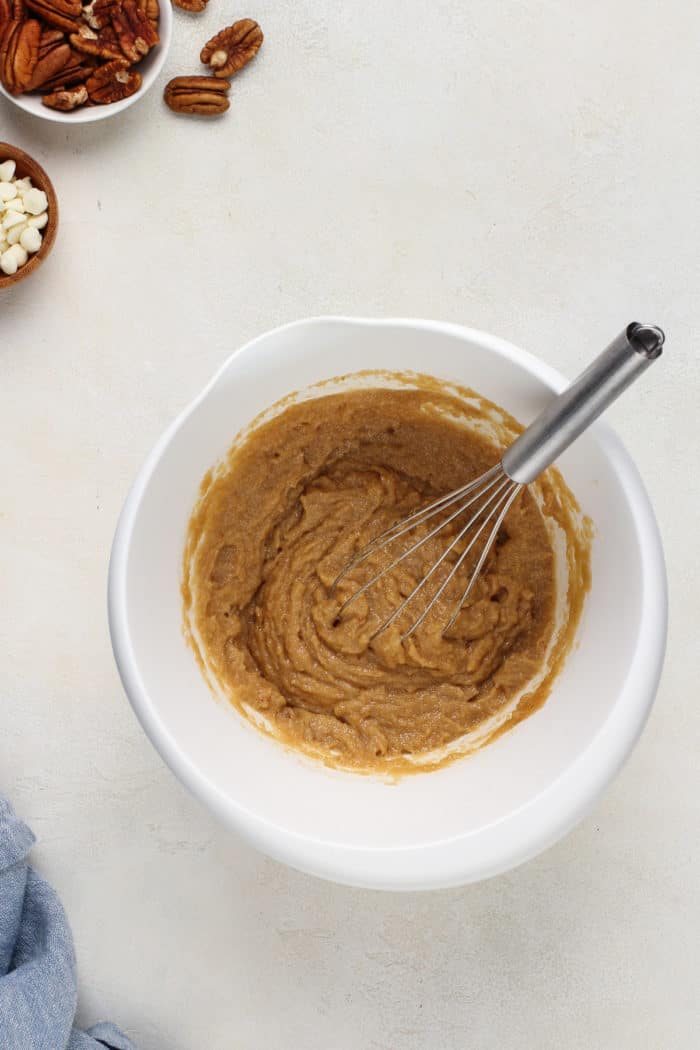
275 524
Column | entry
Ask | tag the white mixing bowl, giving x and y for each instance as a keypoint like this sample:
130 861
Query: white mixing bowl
482 814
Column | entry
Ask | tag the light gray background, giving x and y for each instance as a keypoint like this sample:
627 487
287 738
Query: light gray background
530 168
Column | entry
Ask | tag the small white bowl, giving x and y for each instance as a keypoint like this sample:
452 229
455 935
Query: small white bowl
482 814
149 69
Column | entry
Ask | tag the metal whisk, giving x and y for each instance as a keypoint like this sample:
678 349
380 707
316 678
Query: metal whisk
492 494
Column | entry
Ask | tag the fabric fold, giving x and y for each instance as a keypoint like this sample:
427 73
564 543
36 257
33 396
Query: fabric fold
38 985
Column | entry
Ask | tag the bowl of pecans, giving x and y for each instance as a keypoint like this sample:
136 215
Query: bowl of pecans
76 62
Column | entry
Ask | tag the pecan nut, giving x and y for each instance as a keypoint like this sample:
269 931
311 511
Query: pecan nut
135 31
76 70
98 13
19 54
67 99
63 14
112 82
203 96
101 43
12 11
151 9
232 48
54 55
194 6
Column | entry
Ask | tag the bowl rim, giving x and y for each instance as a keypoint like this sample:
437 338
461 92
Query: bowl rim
91 114
524 832
41 181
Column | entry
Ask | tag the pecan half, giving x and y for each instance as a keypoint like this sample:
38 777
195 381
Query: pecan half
67 99
101 43
135 32
98 13
112 82
232 48
202 96
151 9
77 69
49 39
54 55
11 11
191 5
19 54
64 14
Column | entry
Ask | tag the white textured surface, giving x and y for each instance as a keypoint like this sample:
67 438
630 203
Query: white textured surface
526 168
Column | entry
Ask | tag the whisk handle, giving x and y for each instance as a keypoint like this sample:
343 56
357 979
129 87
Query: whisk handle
571 412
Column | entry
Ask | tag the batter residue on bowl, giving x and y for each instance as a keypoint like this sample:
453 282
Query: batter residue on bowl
297 495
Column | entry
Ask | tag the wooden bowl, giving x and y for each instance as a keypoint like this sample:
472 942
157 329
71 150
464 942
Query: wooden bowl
27 166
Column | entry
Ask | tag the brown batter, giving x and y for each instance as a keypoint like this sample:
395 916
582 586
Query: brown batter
277 522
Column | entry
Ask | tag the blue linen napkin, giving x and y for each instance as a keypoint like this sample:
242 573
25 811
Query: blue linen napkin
38 991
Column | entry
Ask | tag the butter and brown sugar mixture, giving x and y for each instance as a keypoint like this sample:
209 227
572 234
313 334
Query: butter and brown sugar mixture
275 525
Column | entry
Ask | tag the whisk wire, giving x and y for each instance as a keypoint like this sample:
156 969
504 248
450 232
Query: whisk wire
418 517
504 508
495 496
415 546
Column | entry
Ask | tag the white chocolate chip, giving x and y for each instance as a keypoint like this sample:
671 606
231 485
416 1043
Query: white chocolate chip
35 201
30 239
11 218
23 213
15 234
19 254
7 170
8 262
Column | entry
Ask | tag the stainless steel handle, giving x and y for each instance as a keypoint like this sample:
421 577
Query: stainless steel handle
570 413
